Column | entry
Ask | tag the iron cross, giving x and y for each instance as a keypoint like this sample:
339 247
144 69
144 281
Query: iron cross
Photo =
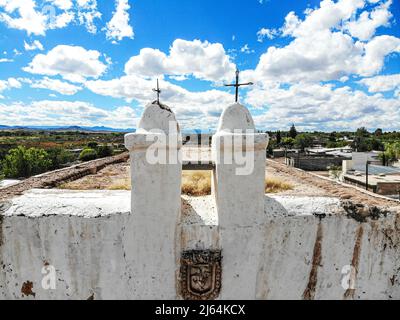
158 92
237 85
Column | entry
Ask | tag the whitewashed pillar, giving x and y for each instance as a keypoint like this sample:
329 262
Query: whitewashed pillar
156 204
239 188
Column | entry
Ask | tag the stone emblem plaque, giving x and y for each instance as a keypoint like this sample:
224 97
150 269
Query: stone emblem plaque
200 275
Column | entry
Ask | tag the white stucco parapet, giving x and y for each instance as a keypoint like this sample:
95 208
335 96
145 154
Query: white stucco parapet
156 203
239 188
80 236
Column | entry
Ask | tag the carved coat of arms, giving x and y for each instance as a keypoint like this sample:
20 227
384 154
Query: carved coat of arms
200 275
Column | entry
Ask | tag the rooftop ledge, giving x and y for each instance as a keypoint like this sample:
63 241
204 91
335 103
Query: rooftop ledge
195 210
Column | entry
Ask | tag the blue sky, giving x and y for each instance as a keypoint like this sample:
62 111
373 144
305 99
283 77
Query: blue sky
323 65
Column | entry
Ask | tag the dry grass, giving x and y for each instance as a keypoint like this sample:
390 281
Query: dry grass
196 183
275 185
120 184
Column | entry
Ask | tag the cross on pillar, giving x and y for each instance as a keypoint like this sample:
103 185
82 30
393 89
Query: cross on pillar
158 92
237 85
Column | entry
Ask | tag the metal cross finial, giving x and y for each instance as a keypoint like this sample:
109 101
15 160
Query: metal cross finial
237 85
158 92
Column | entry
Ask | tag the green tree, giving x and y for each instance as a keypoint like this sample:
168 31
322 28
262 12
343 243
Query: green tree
288 142
362 132
88 154
278 137
303 141
104 151
378 132
93 145
292 132
59 156
392 151
338 144
362 144
271 147
22 162
376 145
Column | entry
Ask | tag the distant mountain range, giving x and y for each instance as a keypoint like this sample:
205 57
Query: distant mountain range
87 129
67 128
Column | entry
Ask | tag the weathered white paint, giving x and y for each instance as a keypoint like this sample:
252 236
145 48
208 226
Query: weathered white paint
236 116
198 228
156 203
8 182
240 201
89 250
37 203
347 165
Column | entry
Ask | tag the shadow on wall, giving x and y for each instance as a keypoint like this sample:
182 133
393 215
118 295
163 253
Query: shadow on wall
275 208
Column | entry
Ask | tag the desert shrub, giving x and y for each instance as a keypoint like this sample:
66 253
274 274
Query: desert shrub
120 184
92 145
59 156
287 142
303 141
392 151
275 185
104 151
335 172
88 154
196 183
22 162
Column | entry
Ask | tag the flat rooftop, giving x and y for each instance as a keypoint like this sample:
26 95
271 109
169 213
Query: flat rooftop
373 180
37 203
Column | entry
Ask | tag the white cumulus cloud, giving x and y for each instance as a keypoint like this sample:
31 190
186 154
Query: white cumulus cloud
73 63
35 45
9 84
323 107
266 33
193 109
365 26
59 86
65 113
118 27
28 18
382 83
203 60
322 50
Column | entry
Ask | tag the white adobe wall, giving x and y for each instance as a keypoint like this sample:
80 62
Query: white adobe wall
104 245
239 195
156 203
347 165
84 236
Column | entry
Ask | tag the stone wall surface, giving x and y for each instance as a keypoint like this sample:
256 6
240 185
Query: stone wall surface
307 243
315 163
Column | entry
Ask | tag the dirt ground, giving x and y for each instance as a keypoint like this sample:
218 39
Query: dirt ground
113 177
56 178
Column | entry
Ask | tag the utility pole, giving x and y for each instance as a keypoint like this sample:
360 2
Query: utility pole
367 174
